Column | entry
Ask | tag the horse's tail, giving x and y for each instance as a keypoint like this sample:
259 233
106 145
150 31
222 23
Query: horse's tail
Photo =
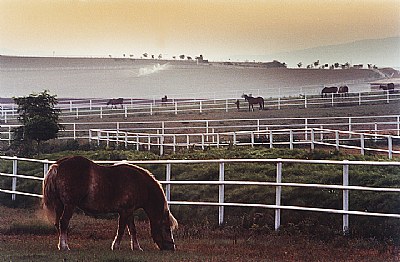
50 193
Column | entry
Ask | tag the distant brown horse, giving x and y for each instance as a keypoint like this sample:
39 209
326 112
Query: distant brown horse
115 101
329 90
343 90
254 100
76 182
164 100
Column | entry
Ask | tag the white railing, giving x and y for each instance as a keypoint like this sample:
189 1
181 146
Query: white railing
150 107
389 124
271 138
220 182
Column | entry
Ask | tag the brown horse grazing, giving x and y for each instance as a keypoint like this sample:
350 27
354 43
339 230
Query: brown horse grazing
254 100
343 90
76 182
115 101
329 90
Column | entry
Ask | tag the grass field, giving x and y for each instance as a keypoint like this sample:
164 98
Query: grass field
25 237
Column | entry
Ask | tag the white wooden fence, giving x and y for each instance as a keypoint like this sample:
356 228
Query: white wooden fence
384 124
78 109
220 182
271 138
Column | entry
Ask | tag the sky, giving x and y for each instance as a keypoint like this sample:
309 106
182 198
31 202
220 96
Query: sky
216 29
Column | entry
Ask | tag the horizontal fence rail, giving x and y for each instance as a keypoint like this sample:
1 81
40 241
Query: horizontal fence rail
131 107
221 182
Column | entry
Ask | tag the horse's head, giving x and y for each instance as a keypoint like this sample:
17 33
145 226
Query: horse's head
161 231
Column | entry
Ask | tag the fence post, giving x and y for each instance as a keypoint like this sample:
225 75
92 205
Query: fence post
151 109
337 139
291 139
387 96
221 192
201 107
252 139
101 112
167 179
312 139
271 139
174 147
77 113
226 105
359 99
176 108
126 140
126 111
306 127
305 101
390 147
207 130
278 193
45 168
350 127
398 125
162 144
14 179
345 196
362 144
9 135
74 125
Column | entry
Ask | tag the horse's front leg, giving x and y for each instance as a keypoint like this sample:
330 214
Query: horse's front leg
122 220
132 233
63 227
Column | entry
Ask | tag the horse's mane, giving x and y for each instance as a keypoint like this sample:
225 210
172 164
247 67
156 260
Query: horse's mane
148 174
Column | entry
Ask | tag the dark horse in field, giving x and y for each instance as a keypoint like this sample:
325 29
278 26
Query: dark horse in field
329 90
254 100
388 87
343 90
76 182
115 101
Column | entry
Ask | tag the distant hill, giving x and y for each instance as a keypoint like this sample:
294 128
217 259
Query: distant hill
380 52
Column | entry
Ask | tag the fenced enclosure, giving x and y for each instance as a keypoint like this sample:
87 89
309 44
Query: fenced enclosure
223 183
98 108
383 124
271 138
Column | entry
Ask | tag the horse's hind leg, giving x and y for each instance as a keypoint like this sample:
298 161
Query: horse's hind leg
122 221
132 233
64 222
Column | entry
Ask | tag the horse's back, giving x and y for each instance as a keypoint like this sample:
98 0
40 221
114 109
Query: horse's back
95 188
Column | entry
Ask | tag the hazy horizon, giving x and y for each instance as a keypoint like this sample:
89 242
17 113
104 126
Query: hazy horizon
218 30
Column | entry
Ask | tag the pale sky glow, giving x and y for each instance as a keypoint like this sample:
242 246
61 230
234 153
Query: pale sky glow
216 29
